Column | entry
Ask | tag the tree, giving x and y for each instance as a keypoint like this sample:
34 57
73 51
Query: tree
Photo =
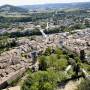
76 69
87 23
82 55
41 80
48 51
58 51
61 64
48 86
42 63
52 60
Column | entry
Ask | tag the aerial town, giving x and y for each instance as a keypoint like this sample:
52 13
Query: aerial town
45 47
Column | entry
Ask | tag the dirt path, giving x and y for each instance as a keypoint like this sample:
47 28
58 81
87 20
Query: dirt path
71 85
13 88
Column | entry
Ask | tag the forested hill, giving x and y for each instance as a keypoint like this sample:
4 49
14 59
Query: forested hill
81 5
11 9
26 8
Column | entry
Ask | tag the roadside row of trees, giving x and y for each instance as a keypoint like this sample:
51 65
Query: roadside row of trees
30 18
37 32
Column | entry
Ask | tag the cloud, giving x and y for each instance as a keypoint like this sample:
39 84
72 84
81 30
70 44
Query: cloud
29 2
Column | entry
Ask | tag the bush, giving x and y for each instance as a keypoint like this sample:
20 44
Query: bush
51 71
43 80
84 85
48 51
43 63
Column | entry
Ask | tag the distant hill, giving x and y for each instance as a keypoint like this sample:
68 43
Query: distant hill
11 9
26 8
81 5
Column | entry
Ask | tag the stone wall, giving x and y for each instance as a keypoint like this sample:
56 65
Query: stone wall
12 77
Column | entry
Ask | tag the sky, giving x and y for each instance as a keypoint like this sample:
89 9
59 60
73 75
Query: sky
31 2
